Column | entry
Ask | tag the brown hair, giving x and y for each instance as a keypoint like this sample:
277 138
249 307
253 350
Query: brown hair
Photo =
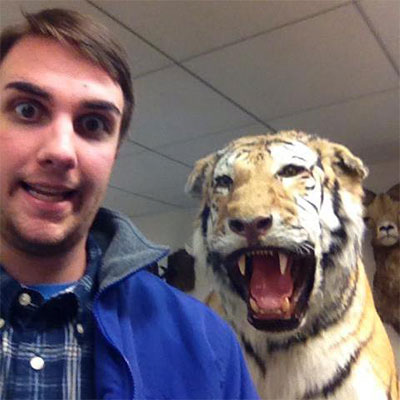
90 38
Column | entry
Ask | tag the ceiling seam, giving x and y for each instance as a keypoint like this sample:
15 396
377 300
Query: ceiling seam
375 34
333 104
184 68
143 196
158 153
268 31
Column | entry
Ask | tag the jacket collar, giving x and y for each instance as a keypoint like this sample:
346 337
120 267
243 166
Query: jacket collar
125 249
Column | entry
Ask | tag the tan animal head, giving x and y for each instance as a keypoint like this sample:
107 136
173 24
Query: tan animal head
382 216
281 225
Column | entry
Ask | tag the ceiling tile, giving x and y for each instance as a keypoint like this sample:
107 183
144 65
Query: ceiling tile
366 125
385 18
187 28
173 106
133 205
315 62
127 149
142 58
151 175
192 150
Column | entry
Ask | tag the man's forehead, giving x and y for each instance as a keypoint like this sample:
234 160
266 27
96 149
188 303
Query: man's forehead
56 67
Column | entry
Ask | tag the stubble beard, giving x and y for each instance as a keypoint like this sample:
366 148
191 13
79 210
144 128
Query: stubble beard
13 236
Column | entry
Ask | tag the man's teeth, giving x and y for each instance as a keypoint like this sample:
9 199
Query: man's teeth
282 262
242 264
47 194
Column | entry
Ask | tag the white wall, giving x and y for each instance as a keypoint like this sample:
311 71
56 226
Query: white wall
383 176
173 228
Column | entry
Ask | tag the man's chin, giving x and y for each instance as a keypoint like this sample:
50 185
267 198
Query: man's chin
48 241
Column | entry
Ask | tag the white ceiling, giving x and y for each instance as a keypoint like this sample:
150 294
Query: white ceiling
206 72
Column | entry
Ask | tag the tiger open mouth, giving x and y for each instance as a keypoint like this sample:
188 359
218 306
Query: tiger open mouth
276 285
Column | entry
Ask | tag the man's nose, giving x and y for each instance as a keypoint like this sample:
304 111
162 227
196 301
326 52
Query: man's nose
58 149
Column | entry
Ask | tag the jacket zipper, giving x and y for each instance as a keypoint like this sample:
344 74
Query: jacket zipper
100 325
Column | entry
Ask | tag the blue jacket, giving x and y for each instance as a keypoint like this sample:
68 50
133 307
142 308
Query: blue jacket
152 341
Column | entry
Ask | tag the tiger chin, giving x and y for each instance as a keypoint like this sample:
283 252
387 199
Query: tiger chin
281 227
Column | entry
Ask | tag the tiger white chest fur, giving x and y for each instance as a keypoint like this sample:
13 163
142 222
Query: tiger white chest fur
281 228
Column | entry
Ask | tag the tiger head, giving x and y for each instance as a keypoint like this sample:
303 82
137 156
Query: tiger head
382 215
281 225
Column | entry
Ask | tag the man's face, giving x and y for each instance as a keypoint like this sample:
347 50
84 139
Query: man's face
59 125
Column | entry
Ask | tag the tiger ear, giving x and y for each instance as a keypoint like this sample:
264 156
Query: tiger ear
368 197
348 163
199 175
342 160
394 192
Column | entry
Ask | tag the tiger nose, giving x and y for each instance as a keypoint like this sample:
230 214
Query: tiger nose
250 229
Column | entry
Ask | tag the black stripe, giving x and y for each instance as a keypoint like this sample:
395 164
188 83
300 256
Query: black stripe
322 196
340 377
312 205
339 236
299 158
336 198
249 350
215 260
279 141
319 162
204 219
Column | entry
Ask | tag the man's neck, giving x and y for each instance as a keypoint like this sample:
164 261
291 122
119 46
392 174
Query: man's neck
31 269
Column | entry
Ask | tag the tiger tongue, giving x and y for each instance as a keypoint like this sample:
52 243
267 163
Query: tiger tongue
268 287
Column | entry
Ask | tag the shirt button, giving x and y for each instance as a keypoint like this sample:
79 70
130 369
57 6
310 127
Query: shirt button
24 299
79 329
37 363
2 322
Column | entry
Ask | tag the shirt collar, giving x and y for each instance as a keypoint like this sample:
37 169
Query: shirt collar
84 290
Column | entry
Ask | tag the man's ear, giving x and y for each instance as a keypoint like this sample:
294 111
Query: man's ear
199 175
394 192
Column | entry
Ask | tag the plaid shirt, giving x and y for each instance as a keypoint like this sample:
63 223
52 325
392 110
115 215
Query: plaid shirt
47 346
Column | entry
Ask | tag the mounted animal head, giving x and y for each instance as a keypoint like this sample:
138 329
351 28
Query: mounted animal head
382 216
281 225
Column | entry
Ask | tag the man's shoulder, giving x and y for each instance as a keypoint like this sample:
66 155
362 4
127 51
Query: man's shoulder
171 308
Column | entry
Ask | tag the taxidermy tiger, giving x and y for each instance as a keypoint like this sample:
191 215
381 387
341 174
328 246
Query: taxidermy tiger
281 226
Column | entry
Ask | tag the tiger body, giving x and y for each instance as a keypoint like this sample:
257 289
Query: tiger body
281 228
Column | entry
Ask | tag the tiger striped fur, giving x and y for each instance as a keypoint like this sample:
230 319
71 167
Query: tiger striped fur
281 228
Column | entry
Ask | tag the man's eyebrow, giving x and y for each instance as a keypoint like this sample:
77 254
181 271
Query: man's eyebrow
30 88
102 105
35 90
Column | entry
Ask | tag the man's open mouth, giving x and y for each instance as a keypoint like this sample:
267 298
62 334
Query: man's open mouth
48 193
276 284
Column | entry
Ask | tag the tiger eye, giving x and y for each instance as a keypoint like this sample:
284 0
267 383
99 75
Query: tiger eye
291 170
223 181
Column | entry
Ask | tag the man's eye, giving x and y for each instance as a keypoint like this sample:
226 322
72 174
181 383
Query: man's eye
92 124
27 111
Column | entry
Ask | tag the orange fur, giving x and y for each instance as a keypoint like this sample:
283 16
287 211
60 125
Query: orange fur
253 187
